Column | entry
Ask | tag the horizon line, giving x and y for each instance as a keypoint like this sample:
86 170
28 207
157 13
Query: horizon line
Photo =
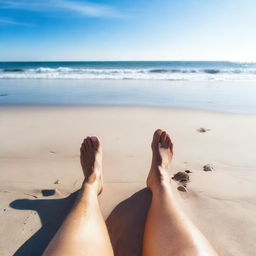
244 61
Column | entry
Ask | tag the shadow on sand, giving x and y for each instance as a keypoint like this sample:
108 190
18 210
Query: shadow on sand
125 223
52 213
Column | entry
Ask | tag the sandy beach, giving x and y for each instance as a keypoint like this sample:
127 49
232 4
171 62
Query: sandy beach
39 150
120 70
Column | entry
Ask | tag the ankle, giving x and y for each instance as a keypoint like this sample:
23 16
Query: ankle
162 185
89 187
161 188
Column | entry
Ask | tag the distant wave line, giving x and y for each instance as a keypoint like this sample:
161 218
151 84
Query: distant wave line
130 73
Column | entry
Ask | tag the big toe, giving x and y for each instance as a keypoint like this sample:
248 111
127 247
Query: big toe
95 142
88 144
156 137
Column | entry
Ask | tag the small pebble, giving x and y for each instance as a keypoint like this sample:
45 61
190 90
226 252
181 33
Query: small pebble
182 178
182 189
48 192
202 130
208 168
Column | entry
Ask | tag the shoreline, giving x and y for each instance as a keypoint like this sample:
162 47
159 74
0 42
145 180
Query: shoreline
97 106
214 96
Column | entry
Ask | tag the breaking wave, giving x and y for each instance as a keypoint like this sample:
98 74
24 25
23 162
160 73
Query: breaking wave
129 73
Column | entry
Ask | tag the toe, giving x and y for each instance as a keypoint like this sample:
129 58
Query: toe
90 143
162 137
86 143
170 145
156 138
82 148
167 140
165 143
95 142
157 135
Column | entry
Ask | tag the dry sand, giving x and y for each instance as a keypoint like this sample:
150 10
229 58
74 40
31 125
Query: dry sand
39 149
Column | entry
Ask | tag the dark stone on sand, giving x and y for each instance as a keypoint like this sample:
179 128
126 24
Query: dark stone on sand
3 94
202 130
188 171
208 168
4 210
182 189
182 178
48 192
56 182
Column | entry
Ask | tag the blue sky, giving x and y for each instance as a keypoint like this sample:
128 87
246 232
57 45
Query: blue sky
127 30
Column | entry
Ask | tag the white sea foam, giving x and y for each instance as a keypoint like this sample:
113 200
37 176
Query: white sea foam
193 74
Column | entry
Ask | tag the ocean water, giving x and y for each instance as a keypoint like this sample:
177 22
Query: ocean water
218 86
131 70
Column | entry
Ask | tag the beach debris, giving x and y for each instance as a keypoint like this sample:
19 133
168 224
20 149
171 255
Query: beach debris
202 130
188 171
4 209
57 182
3 94
182 178
182 189
52 152
48 192
208 168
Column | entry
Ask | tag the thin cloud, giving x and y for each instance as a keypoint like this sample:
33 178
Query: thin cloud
83 8
7 21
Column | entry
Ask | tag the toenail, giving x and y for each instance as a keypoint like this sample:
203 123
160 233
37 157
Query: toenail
159 131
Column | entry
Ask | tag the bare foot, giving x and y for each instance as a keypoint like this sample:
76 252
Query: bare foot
91 161
162 149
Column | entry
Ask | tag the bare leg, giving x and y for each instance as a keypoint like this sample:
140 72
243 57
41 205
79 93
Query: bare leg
84 231
168 231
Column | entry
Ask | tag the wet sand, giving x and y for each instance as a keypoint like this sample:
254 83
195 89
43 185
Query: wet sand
39 150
